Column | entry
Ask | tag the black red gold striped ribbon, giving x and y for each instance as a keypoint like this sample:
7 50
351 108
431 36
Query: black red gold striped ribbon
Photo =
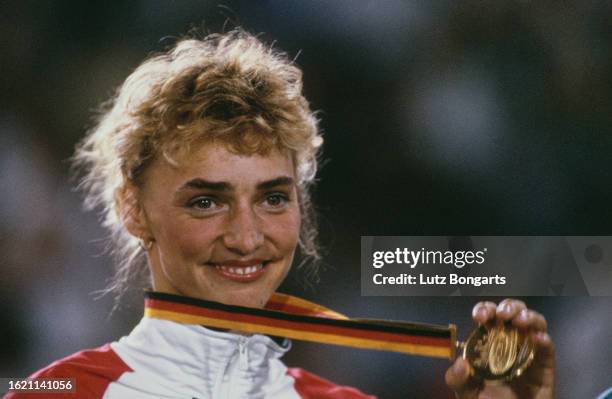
291 317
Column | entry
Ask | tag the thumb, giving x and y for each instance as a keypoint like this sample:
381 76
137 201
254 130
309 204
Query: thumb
459 378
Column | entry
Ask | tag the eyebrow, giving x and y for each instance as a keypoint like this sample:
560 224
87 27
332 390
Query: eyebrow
279 181
199 184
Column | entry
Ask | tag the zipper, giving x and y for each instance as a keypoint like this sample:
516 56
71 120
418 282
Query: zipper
243 355
242 365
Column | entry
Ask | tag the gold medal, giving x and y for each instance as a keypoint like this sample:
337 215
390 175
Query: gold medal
498 352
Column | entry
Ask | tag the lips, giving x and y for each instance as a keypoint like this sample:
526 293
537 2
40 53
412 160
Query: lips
241 271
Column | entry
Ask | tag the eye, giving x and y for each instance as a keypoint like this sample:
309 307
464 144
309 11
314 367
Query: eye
276 200
203 203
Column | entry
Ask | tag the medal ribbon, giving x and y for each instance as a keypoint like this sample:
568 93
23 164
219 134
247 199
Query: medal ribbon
291 317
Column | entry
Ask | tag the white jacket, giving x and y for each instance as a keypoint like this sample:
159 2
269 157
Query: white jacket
167 359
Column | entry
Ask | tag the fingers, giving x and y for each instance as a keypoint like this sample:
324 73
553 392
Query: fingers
459 378
509 309
512 310
542 372
530 319
483 312
545 349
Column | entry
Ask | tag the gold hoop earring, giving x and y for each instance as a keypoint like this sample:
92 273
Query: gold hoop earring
146 244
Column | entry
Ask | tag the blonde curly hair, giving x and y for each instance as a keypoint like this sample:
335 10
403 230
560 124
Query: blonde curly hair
229 87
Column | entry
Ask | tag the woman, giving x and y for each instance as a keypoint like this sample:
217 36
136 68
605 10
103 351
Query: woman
202 165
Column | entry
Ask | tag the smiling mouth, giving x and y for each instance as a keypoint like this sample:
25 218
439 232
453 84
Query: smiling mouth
242 273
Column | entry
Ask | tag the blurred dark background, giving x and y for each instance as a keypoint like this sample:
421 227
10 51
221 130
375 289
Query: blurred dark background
440 118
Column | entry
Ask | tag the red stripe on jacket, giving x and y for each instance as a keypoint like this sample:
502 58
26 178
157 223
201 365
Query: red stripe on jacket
310 386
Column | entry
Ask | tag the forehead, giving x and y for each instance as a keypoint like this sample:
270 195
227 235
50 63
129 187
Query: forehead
215 161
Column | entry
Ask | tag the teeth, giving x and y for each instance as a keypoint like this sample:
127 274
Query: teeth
240 270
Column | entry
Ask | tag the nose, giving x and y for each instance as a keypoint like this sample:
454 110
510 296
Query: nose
243 234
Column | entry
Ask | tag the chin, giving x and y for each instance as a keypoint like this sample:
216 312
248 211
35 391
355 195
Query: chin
248 301
246 297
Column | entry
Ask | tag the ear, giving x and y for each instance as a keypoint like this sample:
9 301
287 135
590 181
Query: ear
131 212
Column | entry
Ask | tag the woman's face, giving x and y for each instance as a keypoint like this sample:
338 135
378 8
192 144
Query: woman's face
225 226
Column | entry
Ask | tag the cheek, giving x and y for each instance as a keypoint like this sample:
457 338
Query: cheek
285 231
189 240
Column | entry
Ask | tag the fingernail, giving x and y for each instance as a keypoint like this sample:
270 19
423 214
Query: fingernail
504 308
540 336
523 315
482 313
